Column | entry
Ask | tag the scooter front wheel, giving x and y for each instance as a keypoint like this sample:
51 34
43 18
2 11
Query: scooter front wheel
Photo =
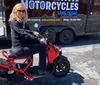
61 68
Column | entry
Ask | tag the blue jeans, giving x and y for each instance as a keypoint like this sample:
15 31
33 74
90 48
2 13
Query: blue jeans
33 49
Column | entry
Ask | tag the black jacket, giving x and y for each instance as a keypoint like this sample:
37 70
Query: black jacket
20 34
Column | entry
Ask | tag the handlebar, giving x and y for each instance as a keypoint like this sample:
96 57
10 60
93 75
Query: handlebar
50 44
40 36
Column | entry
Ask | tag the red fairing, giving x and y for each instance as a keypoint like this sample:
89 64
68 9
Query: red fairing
51 53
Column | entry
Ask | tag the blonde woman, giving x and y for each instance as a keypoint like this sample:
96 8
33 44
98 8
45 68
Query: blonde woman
20 35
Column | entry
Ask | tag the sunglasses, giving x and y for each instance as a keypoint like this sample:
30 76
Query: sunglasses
23 11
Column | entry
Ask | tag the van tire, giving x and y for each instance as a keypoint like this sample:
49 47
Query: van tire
66 36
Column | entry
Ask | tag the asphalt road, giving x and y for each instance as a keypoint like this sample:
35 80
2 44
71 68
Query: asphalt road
84 56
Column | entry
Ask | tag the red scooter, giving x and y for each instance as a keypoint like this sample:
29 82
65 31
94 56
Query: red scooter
58 64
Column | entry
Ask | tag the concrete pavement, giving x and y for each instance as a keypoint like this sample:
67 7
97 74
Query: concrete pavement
84 57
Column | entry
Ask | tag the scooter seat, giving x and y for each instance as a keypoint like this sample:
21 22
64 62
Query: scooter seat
18 59
12 55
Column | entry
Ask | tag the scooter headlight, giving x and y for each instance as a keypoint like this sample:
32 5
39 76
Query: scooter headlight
59 51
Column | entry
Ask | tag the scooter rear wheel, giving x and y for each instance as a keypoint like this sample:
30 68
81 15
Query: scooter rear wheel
3 71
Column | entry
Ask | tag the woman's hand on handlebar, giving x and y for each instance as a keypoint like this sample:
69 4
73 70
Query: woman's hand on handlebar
43 40
35 33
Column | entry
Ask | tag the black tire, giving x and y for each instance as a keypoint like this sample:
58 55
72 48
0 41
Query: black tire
3 71
66 36
61 72
8 78
50 34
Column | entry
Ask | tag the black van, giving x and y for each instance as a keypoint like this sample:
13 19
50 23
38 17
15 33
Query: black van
58 19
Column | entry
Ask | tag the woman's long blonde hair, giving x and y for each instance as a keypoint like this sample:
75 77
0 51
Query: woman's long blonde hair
14 16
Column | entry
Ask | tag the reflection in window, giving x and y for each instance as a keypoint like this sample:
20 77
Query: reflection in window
83 4
96 7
